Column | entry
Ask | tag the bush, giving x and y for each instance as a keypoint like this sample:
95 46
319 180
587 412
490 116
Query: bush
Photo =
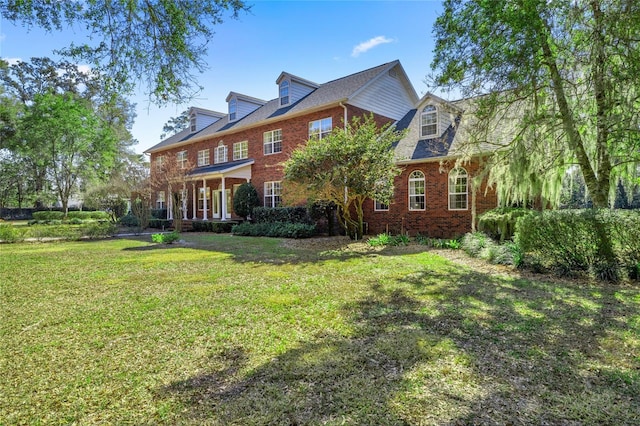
168 238
160 223
86 215
245 199
604 242
216 227
99 229
130 221
277 230
478 244
388 240
158 213
48 215
437 242
64 232
11 234
500 223
281 215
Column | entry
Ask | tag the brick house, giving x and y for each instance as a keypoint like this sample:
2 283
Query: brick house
252 140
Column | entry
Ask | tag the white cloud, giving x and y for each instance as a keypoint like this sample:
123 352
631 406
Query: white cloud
370 44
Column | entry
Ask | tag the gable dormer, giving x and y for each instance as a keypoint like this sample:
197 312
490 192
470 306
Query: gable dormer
199 118
292 88
434 116
242 105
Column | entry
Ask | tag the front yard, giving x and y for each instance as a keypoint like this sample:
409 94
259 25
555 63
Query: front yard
237 330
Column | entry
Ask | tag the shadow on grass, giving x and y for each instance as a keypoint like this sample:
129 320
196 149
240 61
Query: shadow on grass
443 347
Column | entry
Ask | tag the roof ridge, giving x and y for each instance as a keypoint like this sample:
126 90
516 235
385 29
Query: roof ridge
386 64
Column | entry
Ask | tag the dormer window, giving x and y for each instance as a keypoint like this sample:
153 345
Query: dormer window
192 122
233 106
284 93
429 122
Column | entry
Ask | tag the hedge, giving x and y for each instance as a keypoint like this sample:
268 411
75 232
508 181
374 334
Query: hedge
217 227
277 230
605 243
281 215
500 223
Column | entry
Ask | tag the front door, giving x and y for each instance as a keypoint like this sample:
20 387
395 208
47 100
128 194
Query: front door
216 206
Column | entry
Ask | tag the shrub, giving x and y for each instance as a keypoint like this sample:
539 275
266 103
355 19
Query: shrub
437 242
99 229
129 220
64 232
158 213
86 215
11 234
478 244
379 240
48 215
160 223
216 227
245 199
277 230
500 223
604 242
167 238
281 215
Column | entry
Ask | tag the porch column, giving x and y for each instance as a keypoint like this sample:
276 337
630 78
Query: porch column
194 201
224 200
184 201
169 203
204 206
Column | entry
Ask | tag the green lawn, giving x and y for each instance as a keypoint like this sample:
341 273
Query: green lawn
236 330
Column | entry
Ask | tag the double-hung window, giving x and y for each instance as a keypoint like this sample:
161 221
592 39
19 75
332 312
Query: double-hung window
240 150
204 157
429 122
284 93
320 128
233 109
272 193
379 206
204 194
221 154
181 159
272 142
458 189
160 200
416 190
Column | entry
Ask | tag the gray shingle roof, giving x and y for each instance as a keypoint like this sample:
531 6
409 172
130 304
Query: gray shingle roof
328 93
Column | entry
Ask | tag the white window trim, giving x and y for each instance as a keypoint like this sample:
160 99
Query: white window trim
287 96
202 191
181 158
204 159
437 123
465 193
424 183
224 159
320 134
161 202
242 153
272 197
272 142
377 203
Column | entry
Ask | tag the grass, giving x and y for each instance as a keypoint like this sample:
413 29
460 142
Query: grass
227 330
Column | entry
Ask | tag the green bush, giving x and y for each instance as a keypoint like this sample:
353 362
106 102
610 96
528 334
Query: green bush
277 230
64 232
500 223
11 234
216 227
388 240
281 215
48 215
245 199
129 221
167 238
478 244
437 242
99 229
160 223
604 242
87 215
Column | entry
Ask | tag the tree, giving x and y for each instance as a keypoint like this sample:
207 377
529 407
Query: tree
171 174
159 42
245 199
555 84
75 143
175 124
347 167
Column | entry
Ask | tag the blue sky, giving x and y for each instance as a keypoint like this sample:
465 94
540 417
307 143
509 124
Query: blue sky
315 40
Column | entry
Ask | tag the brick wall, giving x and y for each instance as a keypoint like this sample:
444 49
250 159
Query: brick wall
436 220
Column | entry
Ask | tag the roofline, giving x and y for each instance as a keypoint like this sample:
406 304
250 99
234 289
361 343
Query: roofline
248 126
223 171
439 99
247 98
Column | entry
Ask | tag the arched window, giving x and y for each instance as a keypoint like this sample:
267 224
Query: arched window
416 190
284 93
458 189
429 122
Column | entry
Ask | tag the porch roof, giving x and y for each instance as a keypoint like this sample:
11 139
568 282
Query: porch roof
234 169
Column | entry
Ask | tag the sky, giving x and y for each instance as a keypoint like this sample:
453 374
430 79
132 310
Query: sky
316 40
